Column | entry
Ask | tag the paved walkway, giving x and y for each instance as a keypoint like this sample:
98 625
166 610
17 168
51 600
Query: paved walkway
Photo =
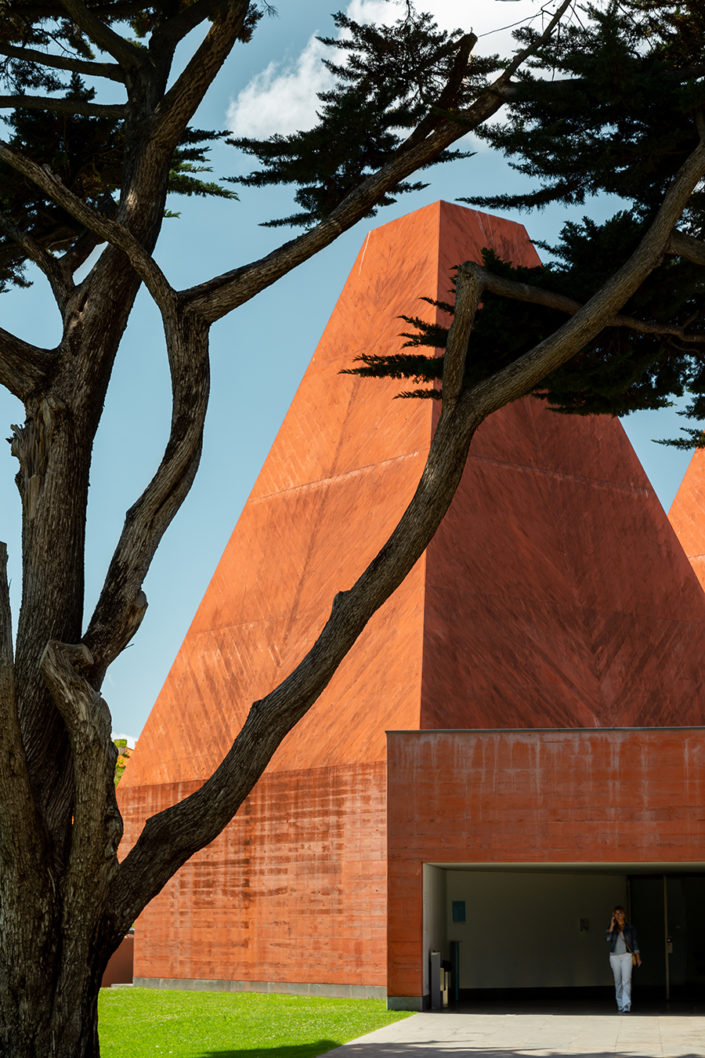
502 1035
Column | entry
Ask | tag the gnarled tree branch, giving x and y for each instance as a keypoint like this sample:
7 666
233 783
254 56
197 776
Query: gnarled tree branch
687 246
143 263
47 264
64 62
122 604
126 54
516 291
467 301
182 99
63 106
95 811
25 369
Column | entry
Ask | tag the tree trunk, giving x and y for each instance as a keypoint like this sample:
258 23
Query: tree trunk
40 1020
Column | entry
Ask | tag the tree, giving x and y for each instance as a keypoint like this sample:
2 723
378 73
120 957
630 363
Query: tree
624 119
87 185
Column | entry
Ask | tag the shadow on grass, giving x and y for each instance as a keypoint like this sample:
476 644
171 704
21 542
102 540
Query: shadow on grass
302 1050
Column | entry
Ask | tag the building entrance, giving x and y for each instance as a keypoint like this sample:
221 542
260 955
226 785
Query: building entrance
531 929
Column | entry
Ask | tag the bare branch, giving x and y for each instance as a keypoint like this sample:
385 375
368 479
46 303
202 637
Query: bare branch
468 292
510 288
182 99
109 230
172 836
687 246
64 62
125 53
63 106
25 369
218 296
177 27
43 260
122 603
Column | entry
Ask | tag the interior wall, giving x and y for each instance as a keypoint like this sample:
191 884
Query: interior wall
435 933
532 929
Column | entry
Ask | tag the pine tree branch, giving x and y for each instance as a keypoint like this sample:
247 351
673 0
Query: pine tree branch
181 101
176 28
109 230
64 62
217 297
122 603
524 374
42 258
63 106
25 369
126 54
687 246
448 96
467 301
516 291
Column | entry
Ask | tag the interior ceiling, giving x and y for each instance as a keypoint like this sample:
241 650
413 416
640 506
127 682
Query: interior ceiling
580 868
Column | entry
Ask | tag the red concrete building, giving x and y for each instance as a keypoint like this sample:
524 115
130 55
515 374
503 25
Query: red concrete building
515 743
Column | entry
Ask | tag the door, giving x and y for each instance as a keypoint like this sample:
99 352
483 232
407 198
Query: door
668 911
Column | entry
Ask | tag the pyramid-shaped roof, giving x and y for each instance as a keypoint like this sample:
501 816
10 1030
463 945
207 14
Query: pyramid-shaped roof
554 594
687 513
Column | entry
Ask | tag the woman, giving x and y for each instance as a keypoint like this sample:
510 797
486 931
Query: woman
623 944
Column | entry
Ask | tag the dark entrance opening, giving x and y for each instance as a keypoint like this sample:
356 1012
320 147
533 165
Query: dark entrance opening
520 939
669 913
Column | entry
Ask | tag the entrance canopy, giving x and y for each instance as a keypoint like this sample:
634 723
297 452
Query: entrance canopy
521 841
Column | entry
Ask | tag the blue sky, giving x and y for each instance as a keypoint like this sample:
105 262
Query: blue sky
259 353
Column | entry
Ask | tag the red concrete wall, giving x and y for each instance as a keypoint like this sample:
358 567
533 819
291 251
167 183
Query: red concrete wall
572 604
294 890
119 969
533 797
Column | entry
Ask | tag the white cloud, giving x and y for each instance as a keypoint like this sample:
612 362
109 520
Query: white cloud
492 20
282 97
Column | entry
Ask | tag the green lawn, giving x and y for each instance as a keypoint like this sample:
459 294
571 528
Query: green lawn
136 1022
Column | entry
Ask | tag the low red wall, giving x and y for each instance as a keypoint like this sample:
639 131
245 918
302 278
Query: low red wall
605 796
293 891
119 969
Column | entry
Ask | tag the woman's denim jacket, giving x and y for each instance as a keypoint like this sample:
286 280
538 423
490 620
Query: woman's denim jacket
629 934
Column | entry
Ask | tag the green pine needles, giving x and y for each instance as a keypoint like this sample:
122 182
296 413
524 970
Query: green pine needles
612 106
385 82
